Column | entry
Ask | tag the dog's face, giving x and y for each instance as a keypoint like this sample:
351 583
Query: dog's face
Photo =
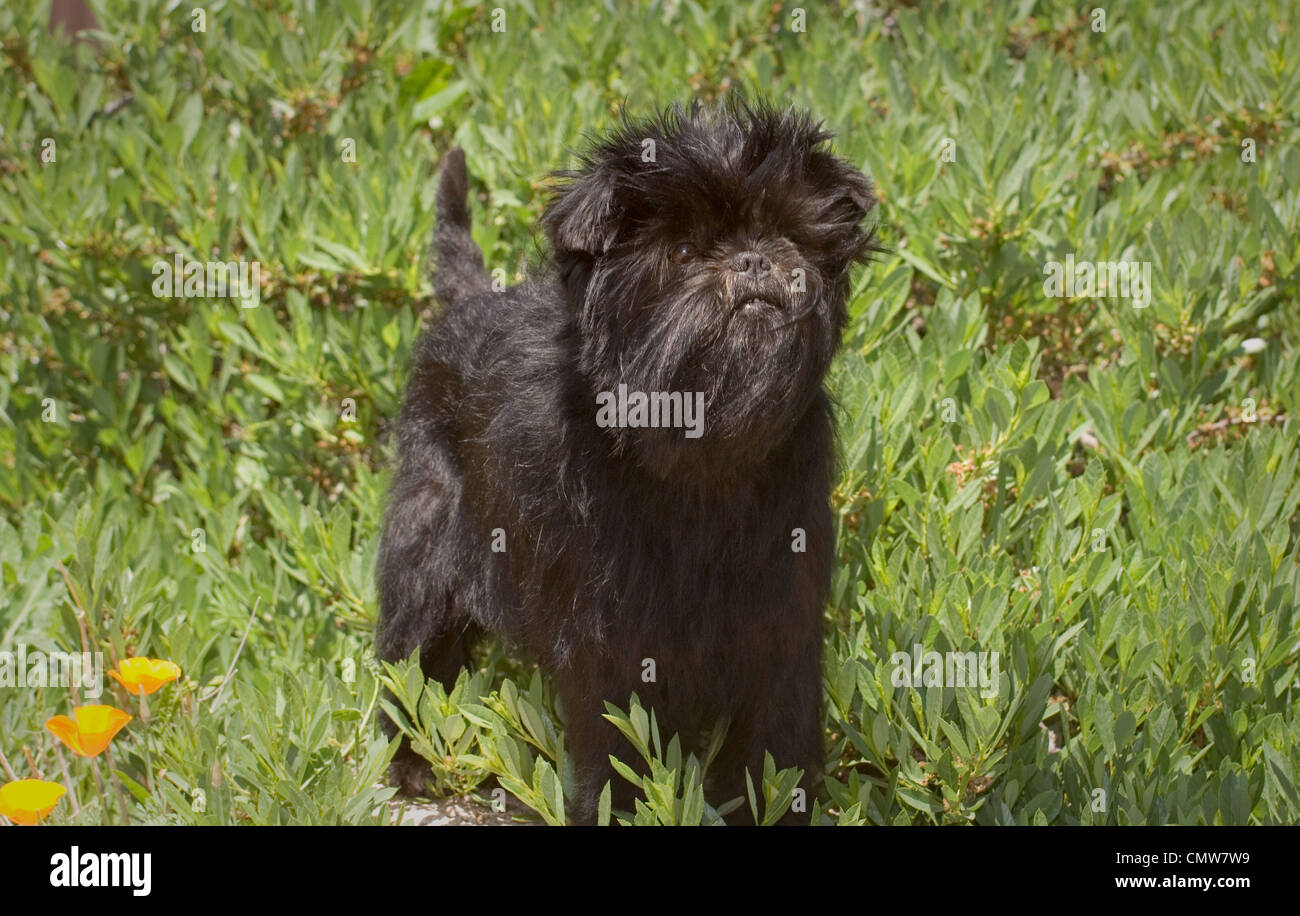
710 251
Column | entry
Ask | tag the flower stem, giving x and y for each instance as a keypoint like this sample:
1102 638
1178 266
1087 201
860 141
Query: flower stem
117 786
67 781
99 787
148 744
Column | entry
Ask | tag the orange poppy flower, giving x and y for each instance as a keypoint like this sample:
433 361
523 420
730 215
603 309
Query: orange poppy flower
89 730
145 675
29 800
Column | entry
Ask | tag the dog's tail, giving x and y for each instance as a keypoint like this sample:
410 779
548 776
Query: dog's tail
456 258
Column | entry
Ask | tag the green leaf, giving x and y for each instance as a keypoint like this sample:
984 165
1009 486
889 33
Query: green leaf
190 118
391 334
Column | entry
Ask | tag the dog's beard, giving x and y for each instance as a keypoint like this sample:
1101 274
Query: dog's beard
756 349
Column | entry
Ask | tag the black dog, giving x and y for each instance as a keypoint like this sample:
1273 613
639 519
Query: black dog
557 483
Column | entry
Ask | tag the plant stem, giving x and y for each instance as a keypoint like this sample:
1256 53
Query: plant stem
99 787
8 769
117 786
67 781
148 743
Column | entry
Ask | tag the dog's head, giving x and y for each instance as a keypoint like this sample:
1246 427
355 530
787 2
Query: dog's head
709 250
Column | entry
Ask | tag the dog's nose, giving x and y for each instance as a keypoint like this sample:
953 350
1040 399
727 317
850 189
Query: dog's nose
751 262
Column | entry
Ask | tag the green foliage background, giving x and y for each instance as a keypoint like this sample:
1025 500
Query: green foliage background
1105 495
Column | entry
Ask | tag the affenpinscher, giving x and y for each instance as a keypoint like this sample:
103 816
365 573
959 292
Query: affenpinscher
623 465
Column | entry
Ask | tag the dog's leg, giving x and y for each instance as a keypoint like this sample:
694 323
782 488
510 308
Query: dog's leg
783 719
782 715
590 739
417 588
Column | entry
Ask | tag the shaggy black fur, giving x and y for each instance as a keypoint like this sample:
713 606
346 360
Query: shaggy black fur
716 259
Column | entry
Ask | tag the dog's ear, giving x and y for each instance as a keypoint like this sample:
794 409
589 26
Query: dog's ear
857 197
582 217
849 199
860 193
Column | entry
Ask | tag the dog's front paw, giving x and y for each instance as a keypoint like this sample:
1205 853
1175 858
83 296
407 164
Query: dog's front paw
410 773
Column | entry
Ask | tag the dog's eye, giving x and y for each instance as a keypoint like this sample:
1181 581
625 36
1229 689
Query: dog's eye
682 253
